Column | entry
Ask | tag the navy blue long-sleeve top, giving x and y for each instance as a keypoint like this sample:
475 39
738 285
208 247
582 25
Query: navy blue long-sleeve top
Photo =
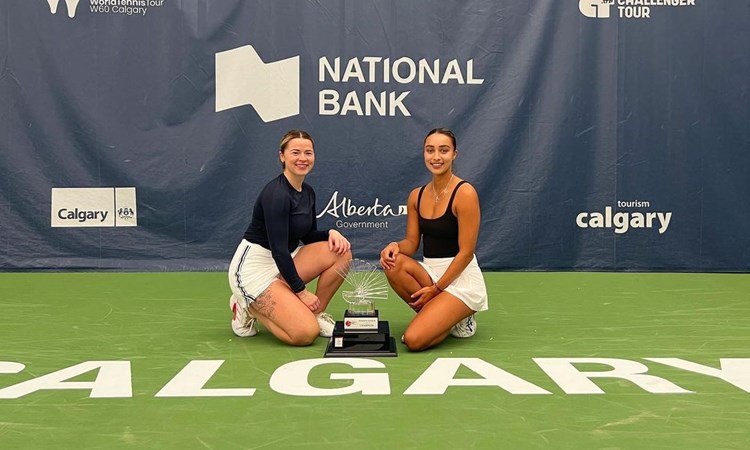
282 217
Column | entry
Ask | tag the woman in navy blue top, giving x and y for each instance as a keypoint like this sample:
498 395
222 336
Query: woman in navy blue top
446 288
269 270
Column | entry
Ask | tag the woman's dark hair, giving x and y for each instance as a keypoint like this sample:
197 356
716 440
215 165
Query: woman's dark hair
444 131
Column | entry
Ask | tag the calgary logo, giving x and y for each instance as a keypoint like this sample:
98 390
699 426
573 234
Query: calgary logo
126 213
94 207
622 220
242 78
72 5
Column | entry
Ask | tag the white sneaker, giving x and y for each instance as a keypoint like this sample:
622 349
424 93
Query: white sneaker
326 324
243 322
465 328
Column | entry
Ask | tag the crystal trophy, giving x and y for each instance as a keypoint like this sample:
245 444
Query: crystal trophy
362 333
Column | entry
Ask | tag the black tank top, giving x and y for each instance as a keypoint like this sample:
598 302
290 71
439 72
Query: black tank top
439 235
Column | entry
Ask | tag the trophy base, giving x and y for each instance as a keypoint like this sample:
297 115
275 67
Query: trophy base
348 343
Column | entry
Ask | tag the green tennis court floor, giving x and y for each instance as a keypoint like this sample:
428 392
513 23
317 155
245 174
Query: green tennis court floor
561 360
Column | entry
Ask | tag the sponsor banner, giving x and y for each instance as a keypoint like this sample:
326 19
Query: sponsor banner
94 207
565 121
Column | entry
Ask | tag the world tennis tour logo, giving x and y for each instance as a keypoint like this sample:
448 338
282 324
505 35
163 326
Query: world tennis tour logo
627 9
72 5
94 207
125 7
242 78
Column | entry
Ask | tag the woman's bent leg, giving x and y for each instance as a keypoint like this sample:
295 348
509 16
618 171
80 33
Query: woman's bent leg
407 277
433 323
317 261
285 316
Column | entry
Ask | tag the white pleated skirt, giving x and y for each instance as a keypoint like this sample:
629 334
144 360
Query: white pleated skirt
469 287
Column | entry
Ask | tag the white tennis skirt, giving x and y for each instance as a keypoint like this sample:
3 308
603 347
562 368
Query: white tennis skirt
469 287
252 270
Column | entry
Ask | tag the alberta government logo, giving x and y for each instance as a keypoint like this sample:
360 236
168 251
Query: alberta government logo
273 88
627 9
125 7
352 216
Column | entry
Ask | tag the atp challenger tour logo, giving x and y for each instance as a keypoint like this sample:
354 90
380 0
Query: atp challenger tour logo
272 88
624 220
627 9
114 378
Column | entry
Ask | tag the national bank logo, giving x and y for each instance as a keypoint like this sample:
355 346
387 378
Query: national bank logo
359 86
627 9
72 5
94 207
242 78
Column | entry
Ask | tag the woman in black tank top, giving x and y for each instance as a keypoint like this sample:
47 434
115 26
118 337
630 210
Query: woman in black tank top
446 288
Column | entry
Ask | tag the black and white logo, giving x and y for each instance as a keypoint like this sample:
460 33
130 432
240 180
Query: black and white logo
94 207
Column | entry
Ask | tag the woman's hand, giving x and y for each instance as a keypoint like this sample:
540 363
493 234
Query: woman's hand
423 296
309 299
388 255
337 243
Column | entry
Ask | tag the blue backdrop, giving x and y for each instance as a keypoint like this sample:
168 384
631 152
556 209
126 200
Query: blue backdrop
599 135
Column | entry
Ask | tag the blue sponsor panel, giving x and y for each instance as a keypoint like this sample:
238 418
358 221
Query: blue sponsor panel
600 135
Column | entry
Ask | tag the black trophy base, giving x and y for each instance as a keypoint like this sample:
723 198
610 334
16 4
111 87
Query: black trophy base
344 344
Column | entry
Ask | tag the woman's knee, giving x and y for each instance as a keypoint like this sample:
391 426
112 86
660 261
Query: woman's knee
416 341
343 259
398 271
303 335
328 259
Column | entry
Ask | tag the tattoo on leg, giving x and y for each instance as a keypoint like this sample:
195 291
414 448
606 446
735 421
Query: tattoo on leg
265 303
